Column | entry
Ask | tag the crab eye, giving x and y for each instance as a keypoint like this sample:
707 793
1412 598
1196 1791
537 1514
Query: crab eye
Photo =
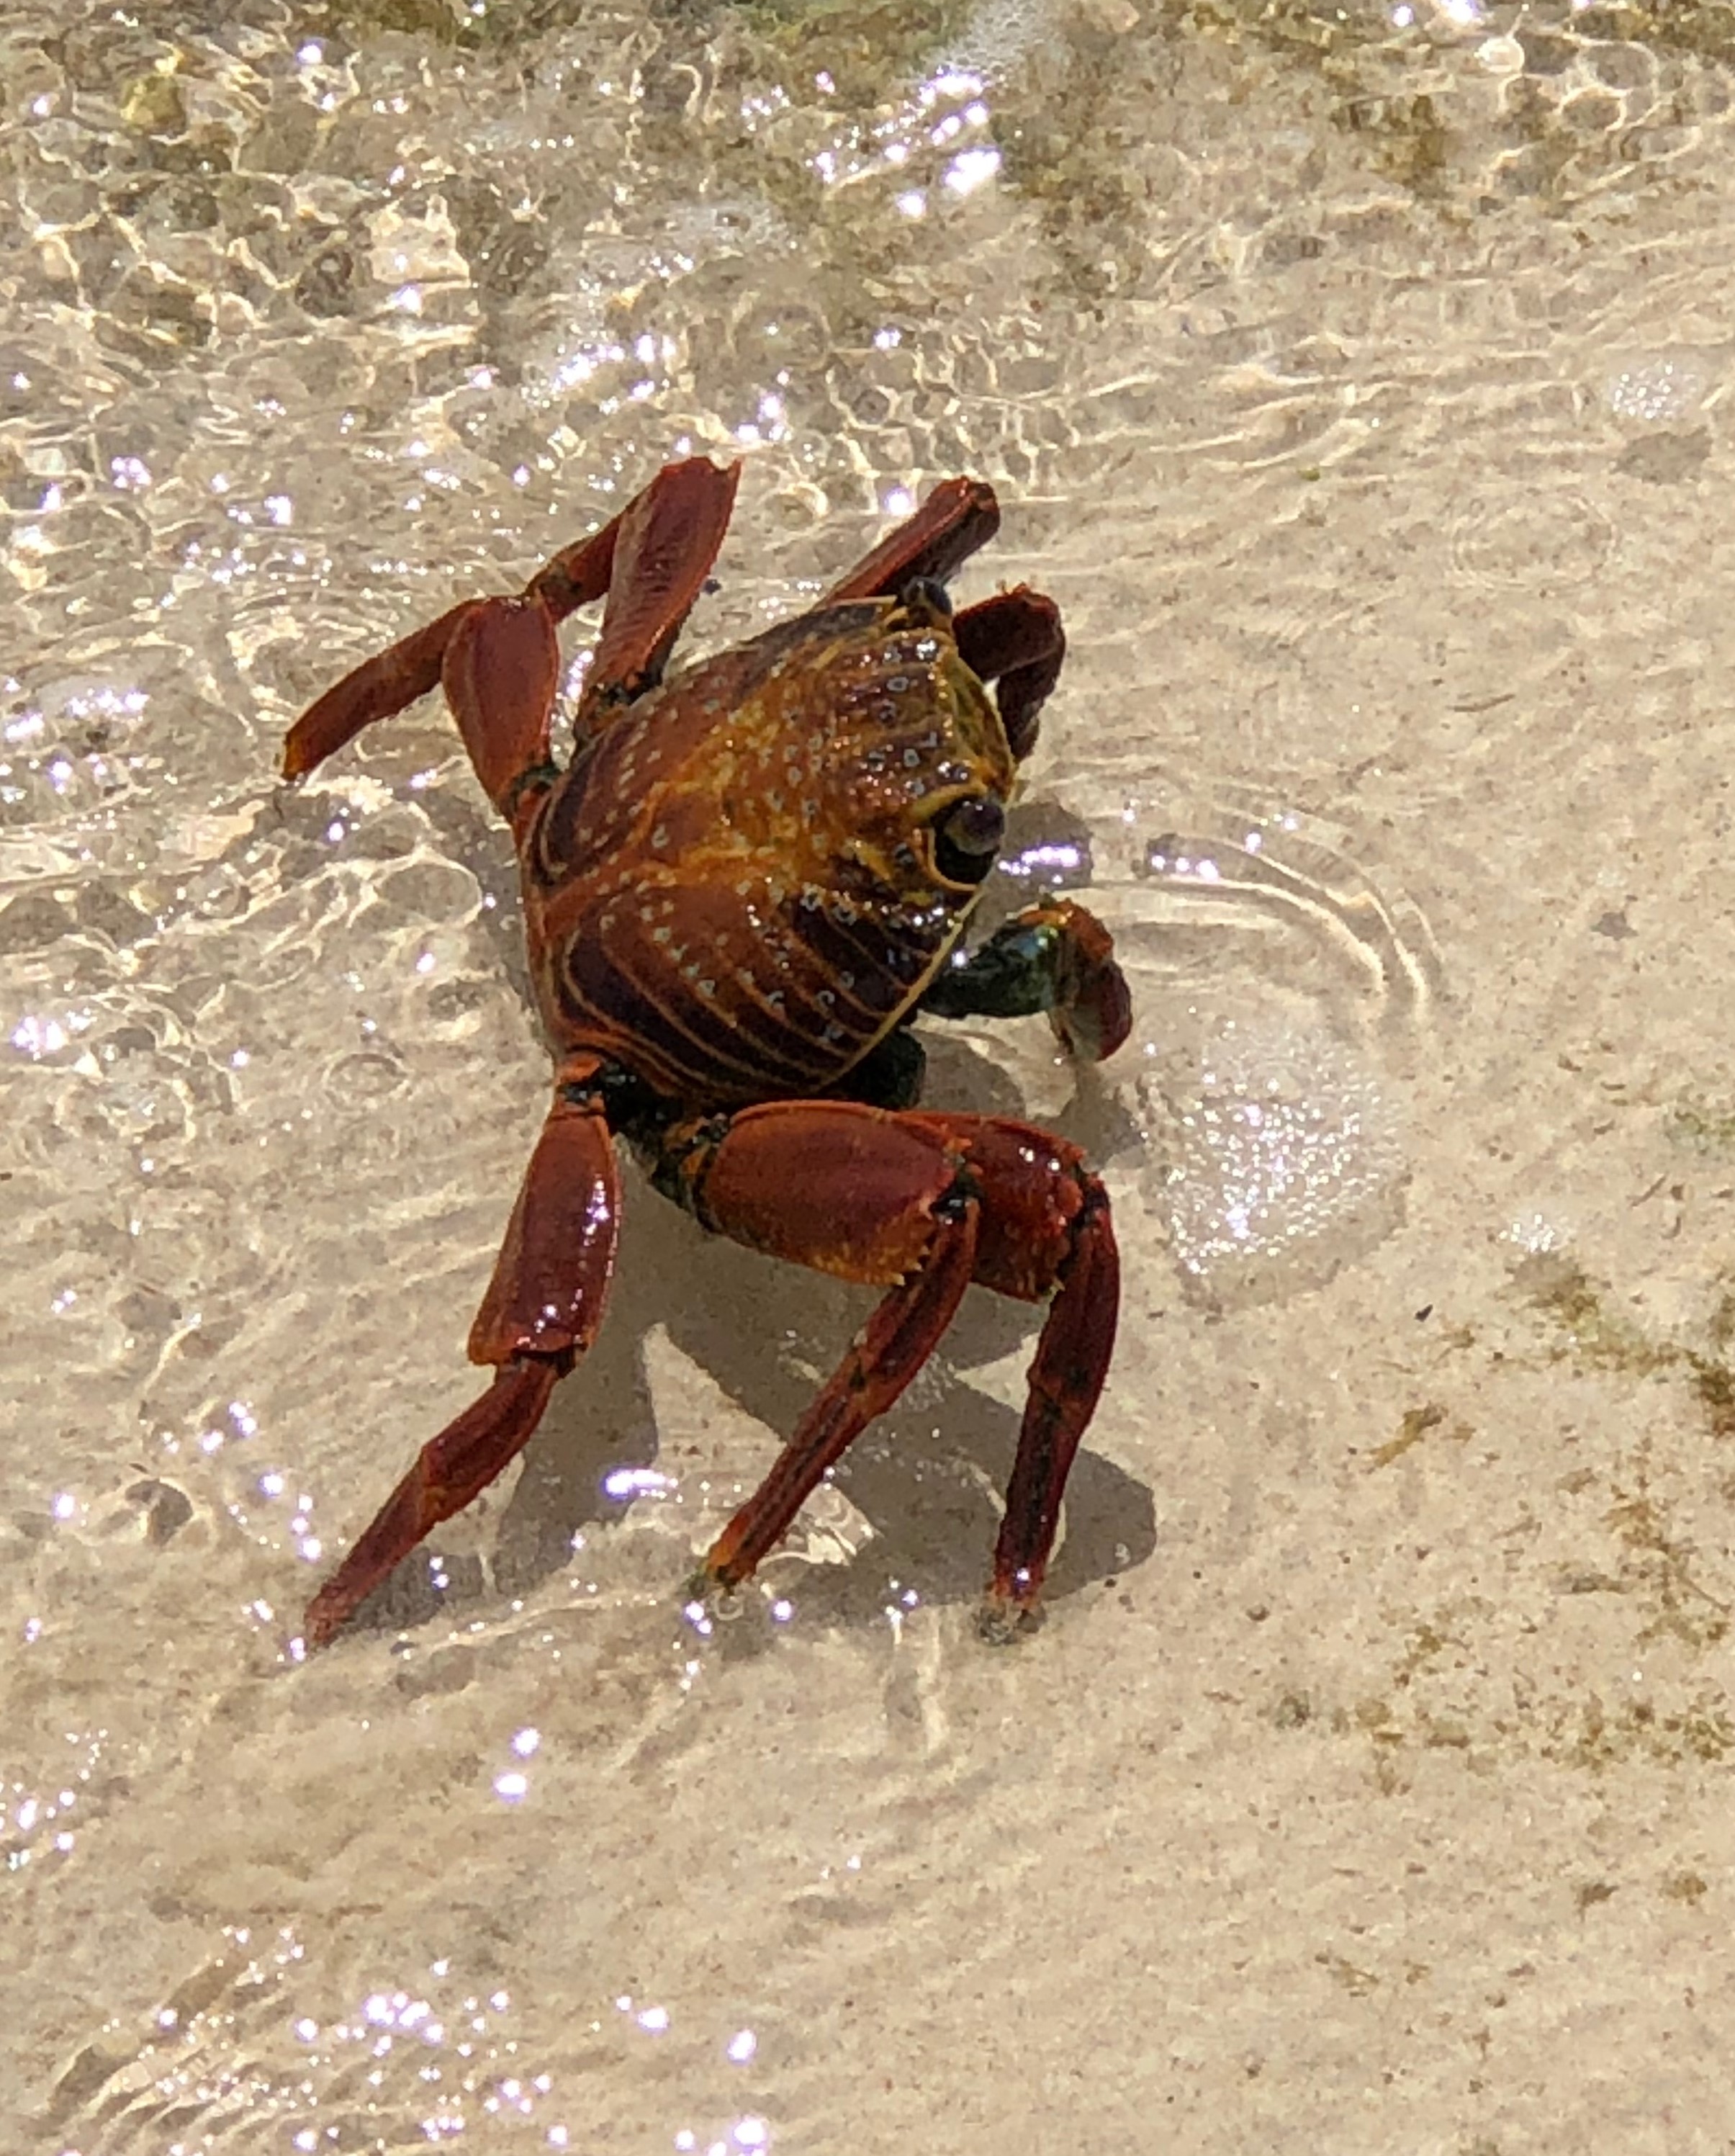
967 838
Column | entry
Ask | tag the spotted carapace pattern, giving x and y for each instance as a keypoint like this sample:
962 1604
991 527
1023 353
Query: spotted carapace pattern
746 893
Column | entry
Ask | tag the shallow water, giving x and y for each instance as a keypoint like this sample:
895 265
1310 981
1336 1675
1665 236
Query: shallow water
1355 379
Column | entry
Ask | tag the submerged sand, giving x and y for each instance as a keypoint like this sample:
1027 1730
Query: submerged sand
1354 379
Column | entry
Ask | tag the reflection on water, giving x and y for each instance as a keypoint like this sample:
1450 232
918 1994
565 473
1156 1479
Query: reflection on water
1354 378
1285 1160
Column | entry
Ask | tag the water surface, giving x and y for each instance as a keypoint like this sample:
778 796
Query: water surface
1355 380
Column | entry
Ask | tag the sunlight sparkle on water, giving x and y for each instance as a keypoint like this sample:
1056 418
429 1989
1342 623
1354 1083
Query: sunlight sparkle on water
1043 862
37 1037
623 1482
968 170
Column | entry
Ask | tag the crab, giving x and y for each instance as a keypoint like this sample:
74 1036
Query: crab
741 890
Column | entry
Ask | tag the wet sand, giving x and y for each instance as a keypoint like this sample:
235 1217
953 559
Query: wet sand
1356 384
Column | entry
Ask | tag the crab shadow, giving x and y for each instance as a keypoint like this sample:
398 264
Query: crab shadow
924 1476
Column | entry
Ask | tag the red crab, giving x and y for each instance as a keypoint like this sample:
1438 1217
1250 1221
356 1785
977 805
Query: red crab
737 894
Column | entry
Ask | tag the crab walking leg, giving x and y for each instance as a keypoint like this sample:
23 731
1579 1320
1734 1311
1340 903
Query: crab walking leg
678 517
501 668
1015 640
1073 1352
882 1358
1046 1230
1066 1380
919 1203
845 1189
670 539
541 1310
378 689
450 1470
586 569
1054 957
959 516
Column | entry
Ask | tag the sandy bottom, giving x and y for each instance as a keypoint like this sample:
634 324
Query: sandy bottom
1356 384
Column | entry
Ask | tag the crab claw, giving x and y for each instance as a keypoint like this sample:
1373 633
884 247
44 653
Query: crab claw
1093 1013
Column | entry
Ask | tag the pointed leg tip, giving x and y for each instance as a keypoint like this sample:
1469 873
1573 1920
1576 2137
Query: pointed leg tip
716 1577
974 497
324 1618
1002 1622
709 1600
1004 1617
303 751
